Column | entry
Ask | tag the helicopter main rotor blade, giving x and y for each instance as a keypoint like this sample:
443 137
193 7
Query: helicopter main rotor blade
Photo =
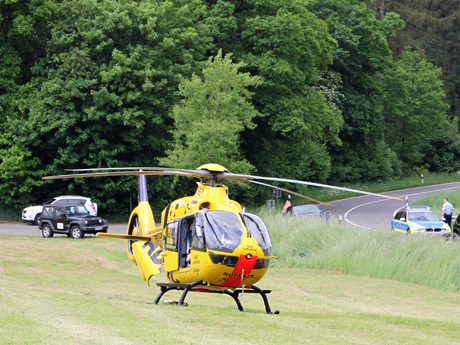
205 174
223 176
124 237
288 191
119 173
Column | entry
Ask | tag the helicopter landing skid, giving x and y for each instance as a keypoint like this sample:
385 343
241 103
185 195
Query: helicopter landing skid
165 287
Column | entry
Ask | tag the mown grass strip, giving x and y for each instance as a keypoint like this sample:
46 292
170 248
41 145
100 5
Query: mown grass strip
59 290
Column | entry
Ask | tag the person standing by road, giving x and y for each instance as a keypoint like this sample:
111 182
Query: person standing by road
447 211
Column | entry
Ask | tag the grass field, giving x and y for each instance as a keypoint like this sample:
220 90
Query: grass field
60 290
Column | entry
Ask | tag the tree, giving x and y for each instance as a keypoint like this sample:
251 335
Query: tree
362 53
24 30
442 152
286 45
210 117
414 109
432 29
105 88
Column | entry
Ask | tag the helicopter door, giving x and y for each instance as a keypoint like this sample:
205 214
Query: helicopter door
185 239
171 242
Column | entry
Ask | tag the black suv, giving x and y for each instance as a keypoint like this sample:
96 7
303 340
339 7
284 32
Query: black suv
72 220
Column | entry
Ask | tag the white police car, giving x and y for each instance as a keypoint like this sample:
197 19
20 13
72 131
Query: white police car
419 219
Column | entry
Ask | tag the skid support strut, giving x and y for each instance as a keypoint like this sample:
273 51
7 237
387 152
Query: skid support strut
165 287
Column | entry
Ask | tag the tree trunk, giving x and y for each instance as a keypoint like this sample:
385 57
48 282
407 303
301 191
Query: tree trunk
437 50
444 60
453 68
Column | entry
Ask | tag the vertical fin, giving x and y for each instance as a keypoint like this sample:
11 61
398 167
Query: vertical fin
146 220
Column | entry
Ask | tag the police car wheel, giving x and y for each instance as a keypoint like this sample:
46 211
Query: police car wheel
392 229
408 231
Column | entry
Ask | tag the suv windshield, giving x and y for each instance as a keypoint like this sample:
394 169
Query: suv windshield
76 209
223 230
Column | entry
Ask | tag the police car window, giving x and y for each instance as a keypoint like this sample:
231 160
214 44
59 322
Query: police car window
423 216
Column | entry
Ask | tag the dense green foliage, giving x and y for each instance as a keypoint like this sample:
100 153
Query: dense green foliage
286 45
361 54
323 91
416 109
221 103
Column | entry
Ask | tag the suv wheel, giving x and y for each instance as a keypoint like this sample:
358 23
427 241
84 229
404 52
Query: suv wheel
38 219
76 232
46 231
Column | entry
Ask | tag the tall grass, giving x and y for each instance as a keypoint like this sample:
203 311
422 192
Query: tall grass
435 200
312 243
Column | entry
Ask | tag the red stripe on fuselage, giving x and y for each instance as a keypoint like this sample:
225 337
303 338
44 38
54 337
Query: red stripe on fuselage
243 264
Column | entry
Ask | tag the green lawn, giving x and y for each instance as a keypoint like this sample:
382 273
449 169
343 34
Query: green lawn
65 291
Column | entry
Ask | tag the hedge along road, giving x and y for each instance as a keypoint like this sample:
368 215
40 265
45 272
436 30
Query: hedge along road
375 213
366 212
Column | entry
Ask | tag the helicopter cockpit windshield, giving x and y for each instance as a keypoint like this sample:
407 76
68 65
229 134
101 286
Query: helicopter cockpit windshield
223 230
257 229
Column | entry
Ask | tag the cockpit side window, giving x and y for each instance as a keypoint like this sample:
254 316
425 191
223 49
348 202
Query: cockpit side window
198 237
256 228
170 237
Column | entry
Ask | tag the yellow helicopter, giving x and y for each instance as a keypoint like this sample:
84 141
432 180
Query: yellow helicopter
206 242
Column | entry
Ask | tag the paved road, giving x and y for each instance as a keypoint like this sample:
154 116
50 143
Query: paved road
371 212
368 212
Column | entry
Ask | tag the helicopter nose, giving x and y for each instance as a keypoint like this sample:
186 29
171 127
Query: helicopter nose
241 271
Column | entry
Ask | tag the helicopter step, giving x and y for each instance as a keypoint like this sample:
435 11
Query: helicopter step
165 287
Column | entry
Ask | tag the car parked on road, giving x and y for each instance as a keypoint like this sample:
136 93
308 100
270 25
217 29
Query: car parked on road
74 220
419 219
456 225
33 213
308 210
